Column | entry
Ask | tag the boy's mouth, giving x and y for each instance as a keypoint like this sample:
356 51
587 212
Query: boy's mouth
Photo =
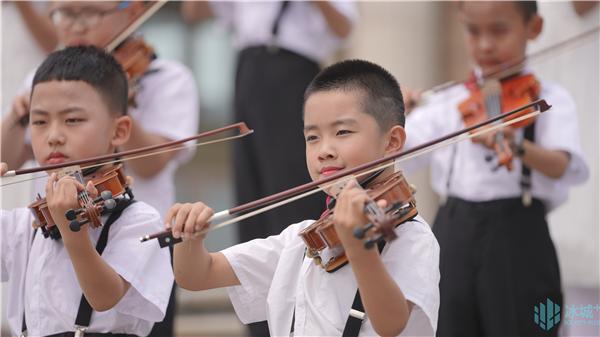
56 158
329 170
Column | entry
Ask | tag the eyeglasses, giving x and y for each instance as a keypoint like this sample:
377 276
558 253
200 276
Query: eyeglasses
88 16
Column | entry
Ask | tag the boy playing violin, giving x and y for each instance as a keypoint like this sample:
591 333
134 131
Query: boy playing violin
96 280
166 99
353 114
497 258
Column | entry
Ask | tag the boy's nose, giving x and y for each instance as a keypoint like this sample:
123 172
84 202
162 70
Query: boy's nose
56 137
326 152
485 44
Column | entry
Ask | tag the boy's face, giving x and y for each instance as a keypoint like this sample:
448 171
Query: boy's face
69 120
89 22
339 135
497 33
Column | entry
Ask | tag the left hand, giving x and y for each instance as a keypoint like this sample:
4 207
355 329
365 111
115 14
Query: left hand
61 195
349 212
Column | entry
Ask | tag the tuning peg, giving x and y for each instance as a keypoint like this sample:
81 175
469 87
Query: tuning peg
71 214
75 225
360 232
110 204
371 242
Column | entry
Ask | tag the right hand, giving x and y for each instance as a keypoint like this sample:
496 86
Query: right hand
19 108
187 220
3 168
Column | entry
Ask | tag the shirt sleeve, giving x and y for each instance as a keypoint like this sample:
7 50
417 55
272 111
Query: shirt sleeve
145 266
412 260
558 129
254 264
168 101
16 235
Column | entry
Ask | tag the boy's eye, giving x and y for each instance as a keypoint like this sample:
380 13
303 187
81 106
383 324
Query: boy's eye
38 122
74 120
343 132
310 138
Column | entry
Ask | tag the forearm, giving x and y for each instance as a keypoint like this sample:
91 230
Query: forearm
191 263
197 269
40 26
551 163
337 22
14 151
102 286
147 167
384 302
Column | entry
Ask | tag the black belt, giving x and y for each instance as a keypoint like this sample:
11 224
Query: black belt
92 334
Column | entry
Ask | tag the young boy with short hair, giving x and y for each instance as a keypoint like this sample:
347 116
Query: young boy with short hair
78 110
167 106
353 114
497 259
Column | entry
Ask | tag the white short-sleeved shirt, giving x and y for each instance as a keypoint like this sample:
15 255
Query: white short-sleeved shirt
42 280
277 279
167 105
302 29
471 177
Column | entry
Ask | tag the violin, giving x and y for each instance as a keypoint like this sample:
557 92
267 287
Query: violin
111 184
132 52
322 234
490 97
165 238
135 56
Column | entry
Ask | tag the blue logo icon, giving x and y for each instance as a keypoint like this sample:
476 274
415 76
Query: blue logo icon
546 316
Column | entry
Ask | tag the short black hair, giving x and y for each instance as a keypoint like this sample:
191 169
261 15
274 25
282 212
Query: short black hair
382 96
91 65
528 9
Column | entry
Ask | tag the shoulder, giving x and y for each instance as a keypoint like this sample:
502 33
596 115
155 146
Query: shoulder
415 239
141 213
168 69
555 93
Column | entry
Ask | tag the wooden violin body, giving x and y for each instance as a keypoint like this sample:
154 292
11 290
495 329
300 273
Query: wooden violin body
111 184
323 243
494 97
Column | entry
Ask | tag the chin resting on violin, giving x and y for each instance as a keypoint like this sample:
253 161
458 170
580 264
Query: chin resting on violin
80 113
340 133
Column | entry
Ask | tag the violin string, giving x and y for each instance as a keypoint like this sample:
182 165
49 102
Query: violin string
131 157
448 142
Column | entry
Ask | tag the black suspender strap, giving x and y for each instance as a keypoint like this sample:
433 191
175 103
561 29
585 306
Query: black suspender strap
357 312
84 314
528 134
24 322
276 24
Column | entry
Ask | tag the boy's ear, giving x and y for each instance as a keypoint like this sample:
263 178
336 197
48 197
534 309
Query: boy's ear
534 27
122 130
396 138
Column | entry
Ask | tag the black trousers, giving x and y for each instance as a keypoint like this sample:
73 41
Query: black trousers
497 262
269 98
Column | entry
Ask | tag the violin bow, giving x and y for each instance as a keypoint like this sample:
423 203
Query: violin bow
165 238
504 70
137 22
241 127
